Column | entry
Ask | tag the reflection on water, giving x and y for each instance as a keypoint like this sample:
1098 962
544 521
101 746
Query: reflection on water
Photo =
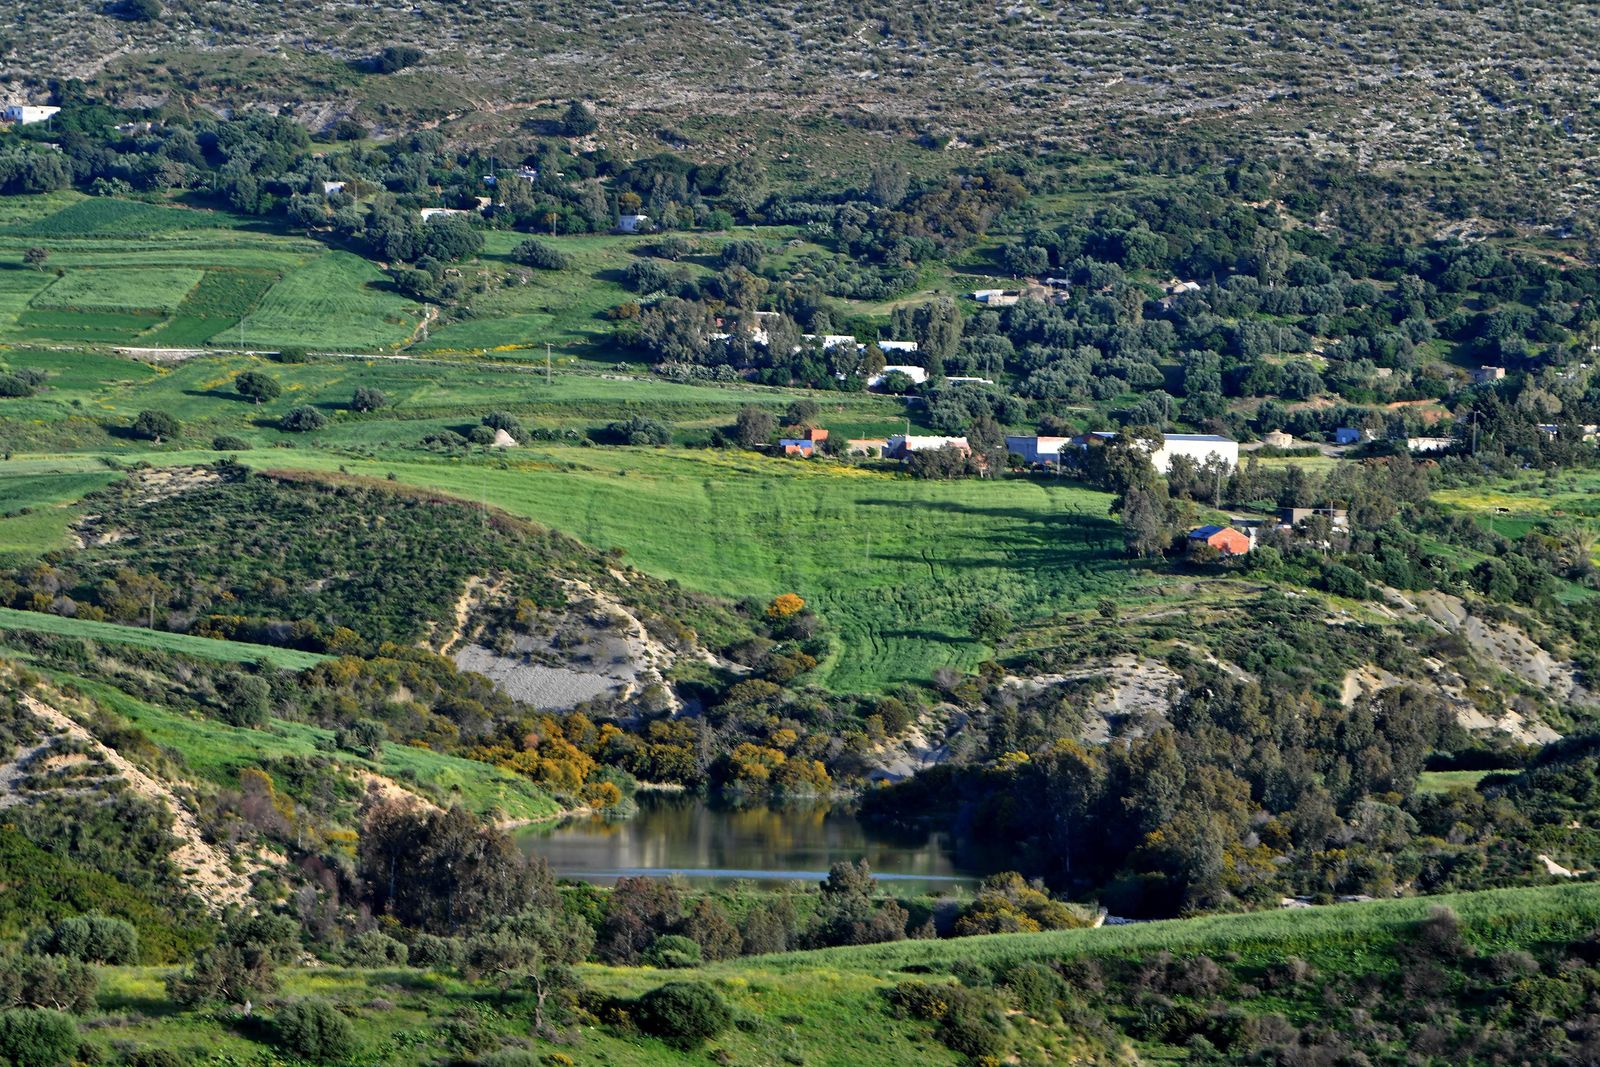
676 834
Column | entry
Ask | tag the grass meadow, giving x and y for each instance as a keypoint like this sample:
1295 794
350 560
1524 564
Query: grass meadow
119 634
826 1007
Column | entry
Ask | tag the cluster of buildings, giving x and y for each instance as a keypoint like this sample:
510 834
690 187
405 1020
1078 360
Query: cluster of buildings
1238 539
1200 447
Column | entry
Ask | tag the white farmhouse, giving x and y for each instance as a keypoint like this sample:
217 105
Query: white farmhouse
632 223
27 115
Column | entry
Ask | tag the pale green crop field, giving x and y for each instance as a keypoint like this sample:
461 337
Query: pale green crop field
896 566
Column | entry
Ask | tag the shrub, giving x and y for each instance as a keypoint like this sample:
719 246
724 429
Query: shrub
313 1029
154 1057
367 398
432 951
156 426
140 10
397 57
539 255
291 354
511 1057
504 420
1036 989
34 1037
303 419
639 430
54 982
227 442
673 951
683 1013
481 435
256 386
377 949
90 939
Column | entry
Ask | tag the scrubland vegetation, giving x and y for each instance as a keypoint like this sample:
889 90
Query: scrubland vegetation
394 461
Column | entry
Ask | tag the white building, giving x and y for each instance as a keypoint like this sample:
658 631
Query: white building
27 115
1199 447
632 223
329 188
896 346
901 445
918 375
1429 444
440 212
1037 449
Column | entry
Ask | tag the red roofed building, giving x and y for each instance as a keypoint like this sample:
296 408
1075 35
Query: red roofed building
1225 539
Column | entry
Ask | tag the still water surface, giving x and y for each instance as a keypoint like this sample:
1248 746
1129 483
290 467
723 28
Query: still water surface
706 842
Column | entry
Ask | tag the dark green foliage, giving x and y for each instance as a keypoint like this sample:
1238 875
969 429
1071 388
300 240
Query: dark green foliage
673 951
444 870
303 419
539 255
754 426
227 442
37 1038
140 10
315 1030
501 420
30 980
397 57
377 949
156 426
242 964
24 381
685 1014
256 386
1035 988
848 914
46 887
367 398
578 120
155 1057
89 938
434 952
639 430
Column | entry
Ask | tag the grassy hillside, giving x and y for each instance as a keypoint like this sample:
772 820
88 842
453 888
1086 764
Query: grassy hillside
216 752
115 633
829 1007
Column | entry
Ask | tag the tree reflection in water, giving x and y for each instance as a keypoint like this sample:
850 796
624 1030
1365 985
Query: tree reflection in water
706 841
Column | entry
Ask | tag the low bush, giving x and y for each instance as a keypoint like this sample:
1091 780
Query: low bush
315 1030
685 1014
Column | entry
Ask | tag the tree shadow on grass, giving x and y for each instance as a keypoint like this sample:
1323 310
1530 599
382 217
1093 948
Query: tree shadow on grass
219 394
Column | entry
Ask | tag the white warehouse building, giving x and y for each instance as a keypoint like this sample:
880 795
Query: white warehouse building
1197 446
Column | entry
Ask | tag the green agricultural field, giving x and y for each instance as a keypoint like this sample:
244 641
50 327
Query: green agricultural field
563 308
896 566
116 633
159 289
337 300
106 216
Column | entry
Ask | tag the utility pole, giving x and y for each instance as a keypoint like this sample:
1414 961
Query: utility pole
548 375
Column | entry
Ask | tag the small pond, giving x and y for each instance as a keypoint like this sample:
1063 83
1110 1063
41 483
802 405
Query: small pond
711 843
